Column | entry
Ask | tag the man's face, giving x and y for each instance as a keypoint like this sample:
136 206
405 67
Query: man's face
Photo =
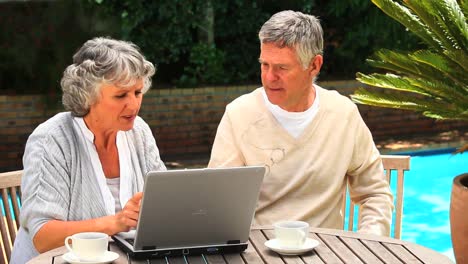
286 83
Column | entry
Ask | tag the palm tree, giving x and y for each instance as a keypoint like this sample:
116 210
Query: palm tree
434 80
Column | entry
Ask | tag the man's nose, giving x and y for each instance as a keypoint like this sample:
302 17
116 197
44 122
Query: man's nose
270 74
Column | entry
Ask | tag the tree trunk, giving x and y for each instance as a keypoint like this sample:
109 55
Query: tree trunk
206 27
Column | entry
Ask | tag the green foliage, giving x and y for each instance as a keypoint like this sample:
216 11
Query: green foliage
205 66
167 31
37 41
164 30
433 80
353 30
44 35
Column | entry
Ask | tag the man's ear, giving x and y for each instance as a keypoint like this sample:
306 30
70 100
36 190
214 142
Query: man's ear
316 65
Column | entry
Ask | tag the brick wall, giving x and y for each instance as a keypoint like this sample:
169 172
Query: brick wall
184 121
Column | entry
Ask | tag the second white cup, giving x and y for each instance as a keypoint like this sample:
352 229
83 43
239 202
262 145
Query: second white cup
291 234
87 246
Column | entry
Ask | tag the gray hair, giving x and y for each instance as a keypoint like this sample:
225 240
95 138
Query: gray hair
294 30
102 60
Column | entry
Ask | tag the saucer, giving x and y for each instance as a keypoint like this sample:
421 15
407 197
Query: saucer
108 257
309 244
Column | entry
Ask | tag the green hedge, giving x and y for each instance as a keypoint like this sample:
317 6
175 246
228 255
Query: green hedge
193 42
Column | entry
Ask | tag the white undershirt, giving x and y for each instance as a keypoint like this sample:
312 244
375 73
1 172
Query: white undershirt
126 173
114 187
293 122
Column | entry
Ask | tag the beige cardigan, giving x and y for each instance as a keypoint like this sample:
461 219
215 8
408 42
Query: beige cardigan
306 175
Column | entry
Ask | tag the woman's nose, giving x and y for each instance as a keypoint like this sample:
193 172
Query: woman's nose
134 102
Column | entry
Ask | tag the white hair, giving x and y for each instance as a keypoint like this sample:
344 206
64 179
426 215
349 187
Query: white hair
102 60
294 30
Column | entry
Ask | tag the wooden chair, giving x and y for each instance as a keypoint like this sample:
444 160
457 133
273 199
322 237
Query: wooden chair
10 191
397 163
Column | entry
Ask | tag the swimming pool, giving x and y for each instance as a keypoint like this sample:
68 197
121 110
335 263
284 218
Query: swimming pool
426 201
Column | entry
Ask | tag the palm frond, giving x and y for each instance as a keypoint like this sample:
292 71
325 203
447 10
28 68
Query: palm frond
433 81
436 90
446 67
400 101
427 14
381 99
406 65
428 107
452 17
442 91
405 17
390 81
460 57
464 7
448 23
388 59
447 115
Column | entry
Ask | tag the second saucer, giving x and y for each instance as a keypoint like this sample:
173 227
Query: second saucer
308 245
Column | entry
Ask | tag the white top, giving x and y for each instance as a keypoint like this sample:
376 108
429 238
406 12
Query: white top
293 122
126 174
114 187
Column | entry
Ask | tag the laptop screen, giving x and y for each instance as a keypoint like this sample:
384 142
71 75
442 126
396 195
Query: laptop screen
198 207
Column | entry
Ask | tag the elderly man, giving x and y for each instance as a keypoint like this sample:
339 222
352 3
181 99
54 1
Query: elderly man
313 141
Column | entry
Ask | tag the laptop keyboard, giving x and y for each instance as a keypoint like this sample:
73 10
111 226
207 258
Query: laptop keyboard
130 241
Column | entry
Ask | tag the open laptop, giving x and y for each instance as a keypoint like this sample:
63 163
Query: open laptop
194 211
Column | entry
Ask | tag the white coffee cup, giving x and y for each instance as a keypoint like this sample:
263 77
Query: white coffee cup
291 234
87 246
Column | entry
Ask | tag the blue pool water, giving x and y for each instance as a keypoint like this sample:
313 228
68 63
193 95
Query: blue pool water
426 201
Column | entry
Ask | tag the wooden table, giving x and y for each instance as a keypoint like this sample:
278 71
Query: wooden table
336 246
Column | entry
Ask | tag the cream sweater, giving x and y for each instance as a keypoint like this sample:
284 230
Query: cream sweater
306 175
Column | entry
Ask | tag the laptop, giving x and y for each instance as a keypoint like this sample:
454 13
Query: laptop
194 211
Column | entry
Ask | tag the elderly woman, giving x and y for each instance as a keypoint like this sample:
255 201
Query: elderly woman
84 169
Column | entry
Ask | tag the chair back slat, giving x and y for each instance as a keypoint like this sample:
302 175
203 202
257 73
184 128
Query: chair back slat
397 163
399 203
6 223
15 194
343 207
5 244
11 219
10 192
351 216
10 179
388 174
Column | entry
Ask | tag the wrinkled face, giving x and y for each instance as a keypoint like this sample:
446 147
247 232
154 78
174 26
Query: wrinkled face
286 82
117 107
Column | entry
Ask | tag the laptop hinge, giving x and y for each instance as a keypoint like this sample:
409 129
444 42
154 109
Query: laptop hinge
233 242
148 247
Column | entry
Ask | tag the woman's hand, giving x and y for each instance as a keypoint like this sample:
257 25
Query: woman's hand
53 233
128 217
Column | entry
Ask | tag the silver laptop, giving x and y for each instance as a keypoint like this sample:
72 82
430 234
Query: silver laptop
194 211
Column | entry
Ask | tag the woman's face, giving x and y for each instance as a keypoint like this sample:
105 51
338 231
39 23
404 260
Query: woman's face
117 107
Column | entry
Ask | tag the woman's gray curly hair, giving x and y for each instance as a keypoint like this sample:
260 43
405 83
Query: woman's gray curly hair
102 60
294 30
